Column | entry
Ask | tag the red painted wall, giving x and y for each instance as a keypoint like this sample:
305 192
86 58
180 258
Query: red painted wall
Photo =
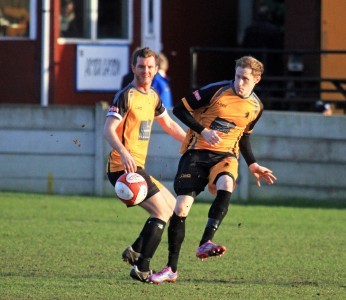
20 75
193 23
184 24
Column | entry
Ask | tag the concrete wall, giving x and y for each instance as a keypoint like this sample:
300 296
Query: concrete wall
60 150
51 150
306 152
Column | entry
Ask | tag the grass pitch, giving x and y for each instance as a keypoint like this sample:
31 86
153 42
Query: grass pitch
60 247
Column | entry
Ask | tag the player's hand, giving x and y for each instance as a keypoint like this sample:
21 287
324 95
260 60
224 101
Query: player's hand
262 172
128 162
211 136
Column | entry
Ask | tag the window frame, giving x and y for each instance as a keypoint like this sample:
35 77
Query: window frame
93 31
151 24
32 26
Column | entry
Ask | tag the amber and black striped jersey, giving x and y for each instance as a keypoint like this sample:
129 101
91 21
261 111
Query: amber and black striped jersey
218 107
136 111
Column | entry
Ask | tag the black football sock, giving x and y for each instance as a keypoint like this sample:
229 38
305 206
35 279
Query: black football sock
137 245
217 212
152 233
176 235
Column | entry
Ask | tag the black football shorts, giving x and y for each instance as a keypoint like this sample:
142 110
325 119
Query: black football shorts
197 168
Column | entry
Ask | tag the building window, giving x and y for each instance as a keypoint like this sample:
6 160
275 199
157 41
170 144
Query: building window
95 19
15 17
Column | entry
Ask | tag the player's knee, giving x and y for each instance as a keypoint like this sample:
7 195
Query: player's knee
225 181
183 205
167 213
163 212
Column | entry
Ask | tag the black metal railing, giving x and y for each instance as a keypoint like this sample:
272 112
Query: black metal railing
290 88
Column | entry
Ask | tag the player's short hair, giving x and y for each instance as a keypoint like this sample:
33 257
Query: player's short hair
252 63
144 52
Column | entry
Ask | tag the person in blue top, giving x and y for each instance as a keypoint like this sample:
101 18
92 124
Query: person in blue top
161 82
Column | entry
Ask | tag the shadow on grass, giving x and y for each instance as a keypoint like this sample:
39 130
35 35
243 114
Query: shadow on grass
242 281
302 203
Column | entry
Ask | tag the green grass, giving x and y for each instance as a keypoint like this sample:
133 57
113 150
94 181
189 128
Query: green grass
55 247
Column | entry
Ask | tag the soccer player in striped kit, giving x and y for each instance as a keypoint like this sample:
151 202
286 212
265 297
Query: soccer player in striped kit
220 116
127 129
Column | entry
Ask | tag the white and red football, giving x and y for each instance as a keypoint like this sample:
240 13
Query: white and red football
131 188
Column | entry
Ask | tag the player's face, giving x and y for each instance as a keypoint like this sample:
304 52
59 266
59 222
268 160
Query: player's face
145 70
244 81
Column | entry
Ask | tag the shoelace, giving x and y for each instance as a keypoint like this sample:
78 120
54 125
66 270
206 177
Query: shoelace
163 271
208 246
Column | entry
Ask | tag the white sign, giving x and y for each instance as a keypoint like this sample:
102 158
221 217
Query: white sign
101 67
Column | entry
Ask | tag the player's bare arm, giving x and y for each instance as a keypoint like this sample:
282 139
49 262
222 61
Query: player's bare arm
109 133
261 172
172 127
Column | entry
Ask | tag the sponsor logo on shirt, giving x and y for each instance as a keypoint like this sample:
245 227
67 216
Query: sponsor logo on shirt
144 130
222 125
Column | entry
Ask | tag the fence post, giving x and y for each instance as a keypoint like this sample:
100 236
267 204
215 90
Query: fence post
244 180
99 168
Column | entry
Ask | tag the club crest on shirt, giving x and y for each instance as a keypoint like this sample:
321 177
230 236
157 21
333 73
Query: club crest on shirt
197 95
